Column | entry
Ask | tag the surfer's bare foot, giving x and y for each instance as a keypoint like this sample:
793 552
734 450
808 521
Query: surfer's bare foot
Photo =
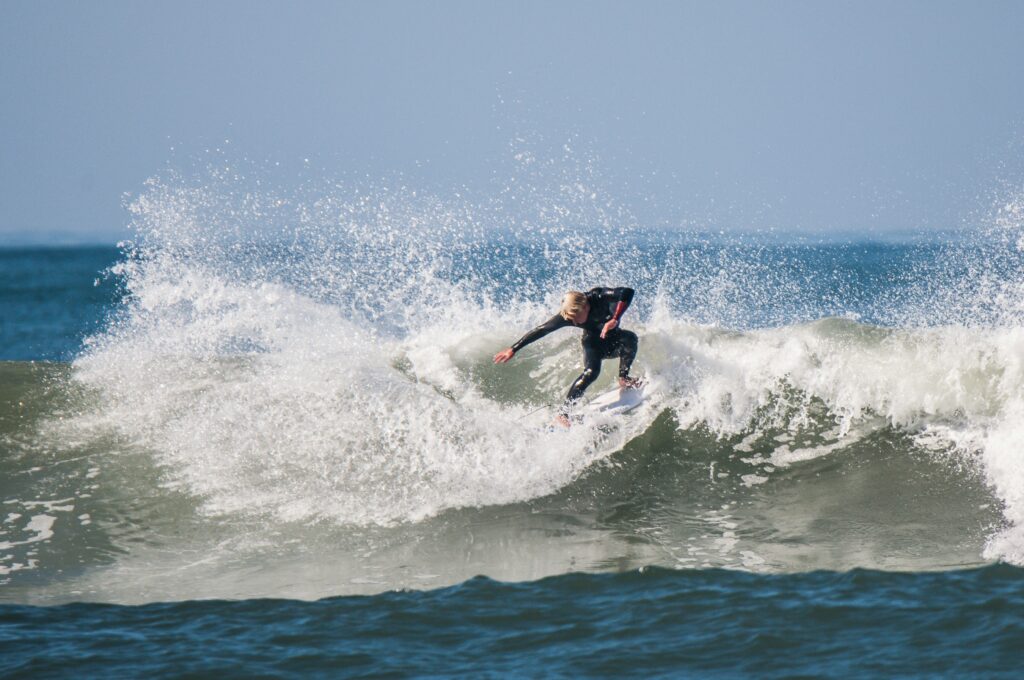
562 420
630 382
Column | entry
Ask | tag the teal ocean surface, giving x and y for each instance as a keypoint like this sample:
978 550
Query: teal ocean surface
647 623
266 438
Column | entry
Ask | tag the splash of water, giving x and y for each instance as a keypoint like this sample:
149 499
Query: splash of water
323 353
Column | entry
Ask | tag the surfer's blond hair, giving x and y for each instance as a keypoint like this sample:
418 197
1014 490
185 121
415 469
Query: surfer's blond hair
572 304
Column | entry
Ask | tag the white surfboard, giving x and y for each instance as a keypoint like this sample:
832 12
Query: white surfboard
617 400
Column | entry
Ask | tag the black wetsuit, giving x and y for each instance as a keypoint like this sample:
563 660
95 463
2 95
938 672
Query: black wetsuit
616 343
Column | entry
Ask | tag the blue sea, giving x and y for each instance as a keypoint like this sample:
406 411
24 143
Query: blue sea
264 437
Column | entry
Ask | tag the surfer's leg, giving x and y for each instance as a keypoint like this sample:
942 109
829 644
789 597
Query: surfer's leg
628 343
591 369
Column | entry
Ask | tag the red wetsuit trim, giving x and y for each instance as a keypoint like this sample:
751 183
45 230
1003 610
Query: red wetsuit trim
619 309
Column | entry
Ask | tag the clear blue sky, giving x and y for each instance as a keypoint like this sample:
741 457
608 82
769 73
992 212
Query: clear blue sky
812 116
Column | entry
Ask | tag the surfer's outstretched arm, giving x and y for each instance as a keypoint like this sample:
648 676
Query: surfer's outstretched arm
552 324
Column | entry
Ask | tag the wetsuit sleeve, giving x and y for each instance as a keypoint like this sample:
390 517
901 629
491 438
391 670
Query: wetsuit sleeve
552 324
620 297
625 297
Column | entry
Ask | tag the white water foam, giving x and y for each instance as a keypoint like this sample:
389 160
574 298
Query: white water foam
322 423
352 384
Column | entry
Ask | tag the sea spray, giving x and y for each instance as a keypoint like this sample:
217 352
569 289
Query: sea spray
326 353
295 397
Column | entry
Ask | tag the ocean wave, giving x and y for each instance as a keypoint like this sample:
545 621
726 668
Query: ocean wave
321 369
367 339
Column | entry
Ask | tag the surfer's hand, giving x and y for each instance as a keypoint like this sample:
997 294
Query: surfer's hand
504 355
610 326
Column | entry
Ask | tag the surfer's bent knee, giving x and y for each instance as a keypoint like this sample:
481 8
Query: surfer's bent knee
588 376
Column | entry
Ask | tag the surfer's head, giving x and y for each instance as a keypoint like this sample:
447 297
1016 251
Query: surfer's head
574 307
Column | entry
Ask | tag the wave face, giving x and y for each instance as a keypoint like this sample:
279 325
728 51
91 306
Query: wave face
295 397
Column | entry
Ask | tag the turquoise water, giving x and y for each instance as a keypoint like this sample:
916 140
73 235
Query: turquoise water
256 442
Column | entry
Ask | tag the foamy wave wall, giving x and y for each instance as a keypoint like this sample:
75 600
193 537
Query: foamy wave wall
324 354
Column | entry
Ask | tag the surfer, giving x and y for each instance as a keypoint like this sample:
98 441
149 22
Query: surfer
597 312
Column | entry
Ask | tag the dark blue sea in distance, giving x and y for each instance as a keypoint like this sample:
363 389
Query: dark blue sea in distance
645 623
242 462
51 299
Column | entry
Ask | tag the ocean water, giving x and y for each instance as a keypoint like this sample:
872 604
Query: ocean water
265 437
